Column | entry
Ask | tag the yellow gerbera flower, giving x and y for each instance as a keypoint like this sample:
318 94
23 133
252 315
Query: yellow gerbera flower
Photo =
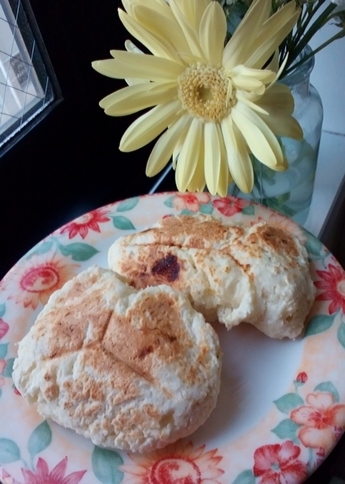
214 104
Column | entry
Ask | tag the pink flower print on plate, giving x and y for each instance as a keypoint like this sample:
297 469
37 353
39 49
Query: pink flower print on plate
190 201
332 285
82 225
229 206
321 421
279 463
176 464
56 476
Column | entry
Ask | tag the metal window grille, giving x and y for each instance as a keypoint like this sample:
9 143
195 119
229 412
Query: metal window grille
27 82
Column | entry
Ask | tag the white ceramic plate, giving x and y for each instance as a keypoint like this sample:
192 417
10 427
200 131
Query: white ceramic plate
281 408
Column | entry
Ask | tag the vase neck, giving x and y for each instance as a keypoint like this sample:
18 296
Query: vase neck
299 77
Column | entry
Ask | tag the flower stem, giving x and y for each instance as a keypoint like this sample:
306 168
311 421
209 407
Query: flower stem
317 25
301 41
339 35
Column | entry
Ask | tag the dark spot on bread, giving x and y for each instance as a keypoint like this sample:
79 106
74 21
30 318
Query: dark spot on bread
167 267
145 351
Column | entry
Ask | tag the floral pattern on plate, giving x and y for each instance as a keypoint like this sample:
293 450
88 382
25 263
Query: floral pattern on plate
285 436
313 423
37 473
82 225
177 463
5 362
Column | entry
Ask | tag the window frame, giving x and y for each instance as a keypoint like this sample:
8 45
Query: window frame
25 20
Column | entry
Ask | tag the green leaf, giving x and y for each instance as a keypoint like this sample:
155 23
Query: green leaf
2 309
8 368
206 209
127 204
341 335
78 251
105 465
288 402
313 246
328 387
39 439
319 324
286 429
246 477
3 350
42 248
168 202
248 210
187 212
9 451
122 223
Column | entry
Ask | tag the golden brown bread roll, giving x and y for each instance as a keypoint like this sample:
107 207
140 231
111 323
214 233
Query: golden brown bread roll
129 369
234 273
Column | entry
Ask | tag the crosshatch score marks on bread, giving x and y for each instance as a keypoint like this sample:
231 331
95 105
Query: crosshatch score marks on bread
134 370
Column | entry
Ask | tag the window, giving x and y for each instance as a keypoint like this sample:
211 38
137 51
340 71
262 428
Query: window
27 82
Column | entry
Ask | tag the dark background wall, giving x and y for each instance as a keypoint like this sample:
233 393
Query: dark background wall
69 163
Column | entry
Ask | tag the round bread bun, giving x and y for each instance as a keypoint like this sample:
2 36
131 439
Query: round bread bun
192 254
132 370
257 274
278 264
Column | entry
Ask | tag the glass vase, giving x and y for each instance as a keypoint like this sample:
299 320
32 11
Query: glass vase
290 192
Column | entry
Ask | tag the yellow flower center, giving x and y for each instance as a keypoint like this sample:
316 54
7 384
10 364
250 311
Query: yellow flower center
206 92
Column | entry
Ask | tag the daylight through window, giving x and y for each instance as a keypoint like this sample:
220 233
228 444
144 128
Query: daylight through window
25 86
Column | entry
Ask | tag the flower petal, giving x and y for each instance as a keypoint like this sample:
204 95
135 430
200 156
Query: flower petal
279 103
42 469
197 183
264 457
137 97
188 31
320 400
273 65
126 65
272 33
246 100
248 84
239 46
314 437
130 47
260 139
302 415
224 175
193 10
158 47
73 478
239 162
148 126
159 30
165 145
212 32
288 452
212 164
189 155
283 125
263 75
277 98
59 471
338 416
